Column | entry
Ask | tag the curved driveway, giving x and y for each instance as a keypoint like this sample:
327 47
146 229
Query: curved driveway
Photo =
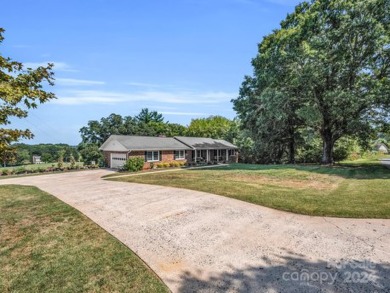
199 242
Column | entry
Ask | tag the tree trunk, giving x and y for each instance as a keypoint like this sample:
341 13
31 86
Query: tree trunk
291 143
291 152
327 149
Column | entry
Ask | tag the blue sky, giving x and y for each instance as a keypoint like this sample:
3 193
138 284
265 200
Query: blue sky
183 58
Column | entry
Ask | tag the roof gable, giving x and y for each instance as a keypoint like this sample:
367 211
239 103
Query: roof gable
111 144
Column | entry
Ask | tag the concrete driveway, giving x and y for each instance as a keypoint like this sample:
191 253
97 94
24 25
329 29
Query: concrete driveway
199 242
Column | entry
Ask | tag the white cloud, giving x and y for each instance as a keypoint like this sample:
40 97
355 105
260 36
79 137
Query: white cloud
79 97
58 66
77 82
184 113
85 100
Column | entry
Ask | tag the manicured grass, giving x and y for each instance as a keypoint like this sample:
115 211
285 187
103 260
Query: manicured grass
47 246
359 190
125 173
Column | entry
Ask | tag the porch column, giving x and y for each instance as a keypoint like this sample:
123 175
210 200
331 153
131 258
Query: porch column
207 155
195 156
227 156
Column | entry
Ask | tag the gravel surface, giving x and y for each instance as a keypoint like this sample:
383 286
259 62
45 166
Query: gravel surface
199 242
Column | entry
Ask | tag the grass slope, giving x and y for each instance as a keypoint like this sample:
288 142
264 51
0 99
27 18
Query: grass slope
358 190
47 246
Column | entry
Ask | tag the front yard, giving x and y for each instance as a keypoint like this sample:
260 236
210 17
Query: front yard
48 246
349 190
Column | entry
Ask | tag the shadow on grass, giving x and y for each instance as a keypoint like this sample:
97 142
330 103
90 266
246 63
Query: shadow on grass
348 171
296 274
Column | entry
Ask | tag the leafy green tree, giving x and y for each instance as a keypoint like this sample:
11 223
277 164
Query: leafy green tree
335 70
20 90
213 126
242 139
60 162
23 157
174 129
89 153
149 123
146 116
7 154
72 162
47 158
98 131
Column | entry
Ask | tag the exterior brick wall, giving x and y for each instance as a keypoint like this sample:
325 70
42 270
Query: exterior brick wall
165 156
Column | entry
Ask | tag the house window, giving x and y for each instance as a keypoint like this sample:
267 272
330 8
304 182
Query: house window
180 155
153 156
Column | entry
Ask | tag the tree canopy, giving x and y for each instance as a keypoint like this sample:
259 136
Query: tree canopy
149 123
325 71
20 90
146 116
213 126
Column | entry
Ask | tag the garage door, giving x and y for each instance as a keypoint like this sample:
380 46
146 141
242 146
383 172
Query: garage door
117 160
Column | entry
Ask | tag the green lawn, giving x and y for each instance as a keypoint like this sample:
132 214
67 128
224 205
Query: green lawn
348 190
47 246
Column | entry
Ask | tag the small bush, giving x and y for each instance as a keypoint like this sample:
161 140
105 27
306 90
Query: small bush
20 170
60 162
134 164
166 165
72 162
174 164
5 172
160 165
41 169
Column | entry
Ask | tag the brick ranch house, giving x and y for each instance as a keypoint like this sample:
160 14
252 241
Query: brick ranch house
118 148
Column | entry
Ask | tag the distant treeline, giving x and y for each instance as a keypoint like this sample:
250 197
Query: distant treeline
49 153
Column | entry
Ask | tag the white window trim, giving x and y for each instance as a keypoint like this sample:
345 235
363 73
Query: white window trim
158 156
180 158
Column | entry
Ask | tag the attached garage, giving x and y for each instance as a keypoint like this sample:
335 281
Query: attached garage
117 160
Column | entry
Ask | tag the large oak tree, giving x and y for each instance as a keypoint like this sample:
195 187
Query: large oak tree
20 89
328 68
